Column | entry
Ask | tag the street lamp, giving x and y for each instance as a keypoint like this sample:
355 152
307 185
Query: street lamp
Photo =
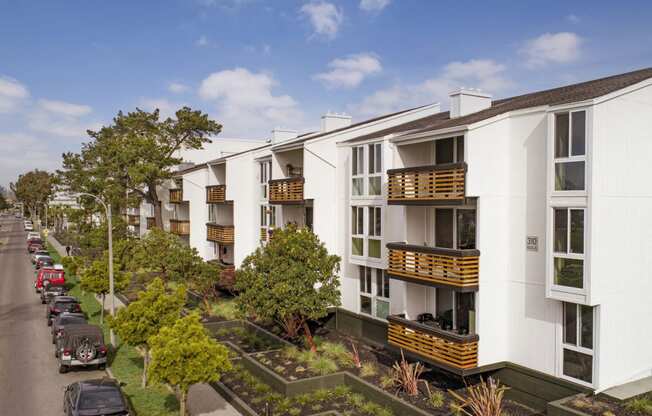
107 208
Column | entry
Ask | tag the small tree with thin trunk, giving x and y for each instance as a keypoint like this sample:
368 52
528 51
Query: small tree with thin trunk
95 279
291 280
143 318
184 354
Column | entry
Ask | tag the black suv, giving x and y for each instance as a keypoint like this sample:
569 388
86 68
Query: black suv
82 345
95 397
52 291
59 304
61 322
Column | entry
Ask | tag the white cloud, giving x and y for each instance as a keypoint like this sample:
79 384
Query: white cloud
22 152
373 5
549 48
63 108
350 71
12 94
572 18
166 107
325 18
202 41
484 74
246 103
177 87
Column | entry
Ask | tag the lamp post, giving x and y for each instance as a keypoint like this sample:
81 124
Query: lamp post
107 208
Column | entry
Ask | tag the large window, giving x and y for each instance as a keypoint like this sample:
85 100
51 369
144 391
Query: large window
578 337
455 228
366 241
367 170
265 175
449 150
374 292
267 219
570 151
374 232
568 247
357 231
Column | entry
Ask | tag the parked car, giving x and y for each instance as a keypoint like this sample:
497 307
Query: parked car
29 226
63 321
44 261
33 234
50 291
60 304
95 397
54 275
35 244
35 255
82 345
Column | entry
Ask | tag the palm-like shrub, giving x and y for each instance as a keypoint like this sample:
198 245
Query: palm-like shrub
483 399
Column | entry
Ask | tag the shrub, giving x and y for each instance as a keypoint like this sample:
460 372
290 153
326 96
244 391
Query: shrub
386 381
291 353
406 376
436 399
642 405
368 370
483 399
322 365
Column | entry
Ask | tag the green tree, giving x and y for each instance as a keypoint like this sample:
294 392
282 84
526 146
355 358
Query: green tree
95 279
136 323
33 189
135 154
184 354
291 280
3 199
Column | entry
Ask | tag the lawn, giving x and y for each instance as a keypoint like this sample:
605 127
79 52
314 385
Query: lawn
126 363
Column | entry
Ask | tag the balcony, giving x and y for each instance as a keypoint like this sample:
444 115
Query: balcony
439 267
133 220
226 280
222 234
442 184
286 191
151 222
176 196
457 353
216 194
180 227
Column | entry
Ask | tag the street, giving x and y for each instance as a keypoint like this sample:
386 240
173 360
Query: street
29 380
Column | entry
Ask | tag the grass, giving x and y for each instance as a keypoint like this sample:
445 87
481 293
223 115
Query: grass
224 308
126 363
642 405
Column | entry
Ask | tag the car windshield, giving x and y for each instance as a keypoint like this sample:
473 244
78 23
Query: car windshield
97 399
65 305
71 320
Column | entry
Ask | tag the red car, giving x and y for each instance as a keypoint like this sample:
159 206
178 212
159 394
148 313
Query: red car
54 275
34 244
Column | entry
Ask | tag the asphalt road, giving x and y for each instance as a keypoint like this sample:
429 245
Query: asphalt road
30 383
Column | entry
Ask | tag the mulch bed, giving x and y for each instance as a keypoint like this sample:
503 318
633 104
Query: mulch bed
601 405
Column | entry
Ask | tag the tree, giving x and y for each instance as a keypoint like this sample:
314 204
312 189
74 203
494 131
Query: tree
136 323
291 280
204 280
95 279
136 154
33 189
3 199
184 354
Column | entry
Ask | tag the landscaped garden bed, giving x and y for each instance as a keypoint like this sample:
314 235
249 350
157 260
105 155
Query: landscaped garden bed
601 405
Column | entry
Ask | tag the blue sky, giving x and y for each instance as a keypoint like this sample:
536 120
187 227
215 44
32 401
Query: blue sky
66 66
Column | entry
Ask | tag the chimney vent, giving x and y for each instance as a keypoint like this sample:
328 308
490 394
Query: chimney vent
280 135
333 121
465 101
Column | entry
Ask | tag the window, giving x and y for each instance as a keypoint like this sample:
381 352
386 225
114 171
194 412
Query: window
455 311
375 232
449 150
570 151
366 179
265 175
267 219
455 228
357 231
212 213
578 342
357 170
375 152
374 292
568 247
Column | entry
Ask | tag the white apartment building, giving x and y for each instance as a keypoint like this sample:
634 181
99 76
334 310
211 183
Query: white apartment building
501 231
515 230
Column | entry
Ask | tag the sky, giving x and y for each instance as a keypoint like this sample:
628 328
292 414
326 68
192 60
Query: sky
253 65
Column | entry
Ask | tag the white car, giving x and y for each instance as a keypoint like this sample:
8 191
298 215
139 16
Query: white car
29 226
33 234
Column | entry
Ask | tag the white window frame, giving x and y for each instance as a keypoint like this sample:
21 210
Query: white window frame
375 212
570 158
354 232
377 168
578 348
267 219
455 226
358 151
569 254
372 295
265 174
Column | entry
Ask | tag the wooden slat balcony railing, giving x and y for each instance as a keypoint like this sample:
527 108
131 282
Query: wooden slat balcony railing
443 267
133 219
427 185
176 196
449 350
223 234
180 227
286 191
263 234
151 222
216 194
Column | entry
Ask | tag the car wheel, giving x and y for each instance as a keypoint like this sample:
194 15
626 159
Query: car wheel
49 322
101 367
63 369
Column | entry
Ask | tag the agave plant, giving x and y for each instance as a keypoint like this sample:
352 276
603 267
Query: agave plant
483 399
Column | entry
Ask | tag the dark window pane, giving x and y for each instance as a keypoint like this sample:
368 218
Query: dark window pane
465 229
361 277
460 149
379 283
368 277
569 176
587 327
465 312
561 135
577 231
360 221
561 230
354 220
444 151
379 158
382 309
578 365
569 272
365 305
354 159
444 228
570 323
374 186
578 146
372 158
385 284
